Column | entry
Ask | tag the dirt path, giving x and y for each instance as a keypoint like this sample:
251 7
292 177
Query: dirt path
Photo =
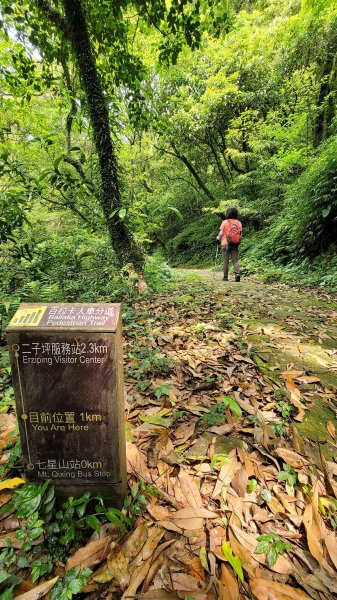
289 330
290 325
250 417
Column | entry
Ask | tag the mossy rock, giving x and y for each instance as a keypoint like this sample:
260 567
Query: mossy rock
223 445
314 423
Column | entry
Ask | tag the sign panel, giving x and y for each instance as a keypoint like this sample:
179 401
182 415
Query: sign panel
67 374
91 316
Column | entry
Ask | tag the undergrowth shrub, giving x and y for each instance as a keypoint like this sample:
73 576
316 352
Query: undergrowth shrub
80 269
196 244
157 273
307 225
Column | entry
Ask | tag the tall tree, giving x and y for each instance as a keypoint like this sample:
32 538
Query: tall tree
91 30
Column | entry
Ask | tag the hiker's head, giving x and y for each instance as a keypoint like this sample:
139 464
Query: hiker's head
232 213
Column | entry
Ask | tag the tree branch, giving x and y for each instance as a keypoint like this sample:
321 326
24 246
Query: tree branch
186 181
77 165
190 167
210 142
147 186
73 107
235 167
68 204
53 16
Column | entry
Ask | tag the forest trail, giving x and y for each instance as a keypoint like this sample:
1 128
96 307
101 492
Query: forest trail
266 459
230 392
287 325
291 330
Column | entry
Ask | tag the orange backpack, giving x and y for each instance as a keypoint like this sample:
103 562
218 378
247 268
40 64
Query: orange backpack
234 234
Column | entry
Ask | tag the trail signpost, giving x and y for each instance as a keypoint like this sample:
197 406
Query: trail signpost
68 382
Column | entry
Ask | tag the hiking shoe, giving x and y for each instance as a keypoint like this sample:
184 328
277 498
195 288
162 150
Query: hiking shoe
237 277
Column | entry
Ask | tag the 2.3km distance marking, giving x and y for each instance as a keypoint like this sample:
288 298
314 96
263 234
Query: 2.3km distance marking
94 348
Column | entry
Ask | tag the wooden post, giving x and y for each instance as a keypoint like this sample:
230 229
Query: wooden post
67 370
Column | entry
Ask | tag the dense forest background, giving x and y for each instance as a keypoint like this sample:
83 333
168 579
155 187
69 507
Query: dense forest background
127 127
241 112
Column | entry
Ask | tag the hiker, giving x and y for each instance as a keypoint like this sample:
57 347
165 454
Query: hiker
230 237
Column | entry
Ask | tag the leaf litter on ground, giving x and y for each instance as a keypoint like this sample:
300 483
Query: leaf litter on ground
241 509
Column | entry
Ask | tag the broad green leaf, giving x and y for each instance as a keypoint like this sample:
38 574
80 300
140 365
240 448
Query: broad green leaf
175 210
76 585
8 594
234 561
4 576
266 495
93 522
86 572
113 519
268 537
154 420
7 306
221 458
142 385
326 211
162 390
271 555
58 161
261 548
232 405
252 485
203 558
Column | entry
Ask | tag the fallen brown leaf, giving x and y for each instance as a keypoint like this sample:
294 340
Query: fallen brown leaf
306 379
39 591
228 585
184 432
154 536
135 541
331 429
330 541
136 462
118 567
240 481
226 475
159 594
315 530
9 524
264 589
190 488
158 512
5 497
138 577
91 554
291 458
190 512
186 583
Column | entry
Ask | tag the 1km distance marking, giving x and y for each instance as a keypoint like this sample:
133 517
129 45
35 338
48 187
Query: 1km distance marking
28 316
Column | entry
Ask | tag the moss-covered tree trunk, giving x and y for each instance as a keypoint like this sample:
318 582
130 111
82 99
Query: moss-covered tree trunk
122 240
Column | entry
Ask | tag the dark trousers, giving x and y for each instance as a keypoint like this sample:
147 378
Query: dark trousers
233 252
